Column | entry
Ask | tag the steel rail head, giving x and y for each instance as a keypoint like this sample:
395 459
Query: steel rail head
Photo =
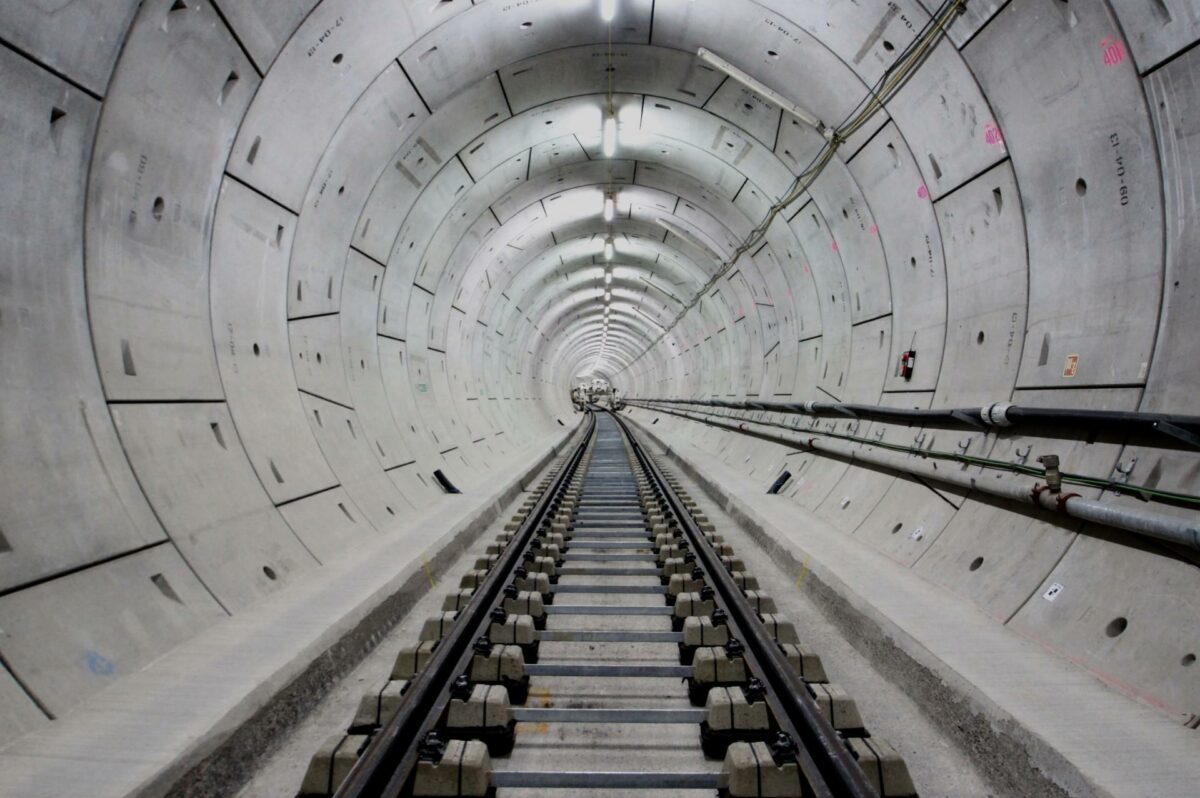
823 757
384 768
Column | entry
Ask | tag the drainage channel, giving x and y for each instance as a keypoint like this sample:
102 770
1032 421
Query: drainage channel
609 639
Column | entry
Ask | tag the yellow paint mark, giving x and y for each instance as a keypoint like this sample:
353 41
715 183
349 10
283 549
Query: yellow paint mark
533 728
803 573
541 696
428 572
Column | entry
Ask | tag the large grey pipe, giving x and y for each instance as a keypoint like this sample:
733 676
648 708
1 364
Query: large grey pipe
1149 523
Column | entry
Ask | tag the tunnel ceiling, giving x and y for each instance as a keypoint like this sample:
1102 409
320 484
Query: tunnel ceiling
305 255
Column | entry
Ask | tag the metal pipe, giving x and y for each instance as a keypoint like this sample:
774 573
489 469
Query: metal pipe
1173 529
1184 429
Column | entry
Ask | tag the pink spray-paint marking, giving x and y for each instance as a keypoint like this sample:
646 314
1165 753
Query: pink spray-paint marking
873 230
992 134
922 192
833 245
1114 50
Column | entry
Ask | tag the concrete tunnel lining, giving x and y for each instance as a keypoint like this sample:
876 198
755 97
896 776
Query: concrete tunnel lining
270 265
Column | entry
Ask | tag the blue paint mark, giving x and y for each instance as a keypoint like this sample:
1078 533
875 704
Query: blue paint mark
99 664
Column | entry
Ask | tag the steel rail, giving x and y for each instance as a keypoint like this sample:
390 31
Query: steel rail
384 768
823 758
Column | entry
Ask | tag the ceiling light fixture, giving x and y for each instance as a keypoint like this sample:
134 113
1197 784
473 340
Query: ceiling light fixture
608 10
610 208
610 249
608 277
610 135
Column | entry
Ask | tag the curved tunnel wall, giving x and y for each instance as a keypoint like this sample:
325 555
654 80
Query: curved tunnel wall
272 264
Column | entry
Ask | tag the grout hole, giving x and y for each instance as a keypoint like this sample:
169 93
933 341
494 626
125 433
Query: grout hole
250 156
891 48
1116 626
1081 187
165 588
979 338
1188 660
270 573
127 358
976 563
897 528
337 59
257 351
160 205
227 89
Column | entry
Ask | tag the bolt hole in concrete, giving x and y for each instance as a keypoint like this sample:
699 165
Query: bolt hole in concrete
337 59
1116 626
1188 660
889 46
1081 187
159 206
270 572
256 350
979 338
526 25
976 563
897 528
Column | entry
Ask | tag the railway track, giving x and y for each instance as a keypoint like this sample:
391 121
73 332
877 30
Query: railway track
609 639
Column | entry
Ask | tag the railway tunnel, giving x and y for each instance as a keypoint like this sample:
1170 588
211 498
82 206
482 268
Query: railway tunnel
294 296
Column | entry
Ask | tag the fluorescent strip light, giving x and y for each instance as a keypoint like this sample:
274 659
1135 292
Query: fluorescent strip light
715 61
610 136
608 278
610 209
608 10
610 249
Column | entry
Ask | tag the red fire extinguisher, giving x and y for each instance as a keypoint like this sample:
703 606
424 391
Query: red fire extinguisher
908 361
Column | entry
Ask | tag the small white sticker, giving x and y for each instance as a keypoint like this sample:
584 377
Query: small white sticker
918 533
1052 593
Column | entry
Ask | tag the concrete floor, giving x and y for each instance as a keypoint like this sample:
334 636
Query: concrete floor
938 767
